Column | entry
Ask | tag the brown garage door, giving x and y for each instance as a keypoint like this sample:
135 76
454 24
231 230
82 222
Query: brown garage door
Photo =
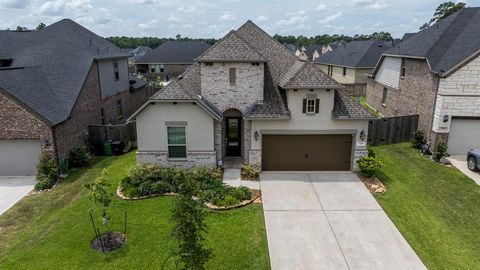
306 152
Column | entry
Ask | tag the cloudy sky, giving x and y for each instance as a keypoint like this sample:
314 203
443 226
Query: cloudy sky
201 18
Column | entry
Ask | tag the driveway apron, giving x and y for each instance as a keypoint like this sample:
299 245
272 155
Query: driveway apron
329 220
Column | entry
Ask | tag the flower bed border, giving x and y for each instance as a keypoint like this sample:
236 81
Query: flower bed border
208 205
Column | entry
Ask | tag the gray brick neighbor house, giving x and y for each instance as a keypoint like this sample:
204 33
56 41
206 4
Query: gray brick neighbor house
54 83
249 99
435 74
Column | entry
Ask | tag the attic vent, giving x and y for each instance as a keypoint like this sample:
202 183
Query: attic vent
208 64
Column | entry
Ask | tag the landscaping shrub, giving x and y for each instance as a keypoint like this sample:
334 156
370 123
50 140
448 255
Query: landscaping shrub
47 167
368 165
371 153
440 150
43 183
418 139
79 157
251 170
149 179
144 173
47 172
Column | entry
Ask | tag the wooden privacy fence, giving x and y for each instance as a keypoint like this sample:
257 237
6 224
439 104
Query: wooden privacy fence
97 135
392 129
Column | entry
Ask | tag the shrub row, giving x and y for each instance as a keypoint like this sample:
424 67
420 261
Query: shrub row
148 179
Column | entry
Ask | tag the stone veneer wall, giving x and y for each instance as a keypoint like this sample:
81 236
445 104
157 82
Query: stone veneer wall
194 158
247 90
17 122
458 95
416 94
86 111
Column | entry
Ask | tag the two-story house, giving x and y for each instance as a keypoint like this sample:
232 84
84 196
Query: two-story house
249 98
349 63
54 83
170 59
435 74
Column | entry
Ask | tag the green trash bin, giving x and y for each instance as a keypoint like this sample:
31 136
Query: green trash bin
107 148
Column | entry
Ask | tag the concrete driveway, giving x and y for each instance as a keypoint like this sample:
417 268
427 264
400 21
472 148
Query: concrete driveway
460 162
329 221
13 189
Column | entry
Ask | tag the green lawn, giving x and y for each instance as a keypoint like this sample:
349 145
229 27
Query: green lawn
437 209
52 230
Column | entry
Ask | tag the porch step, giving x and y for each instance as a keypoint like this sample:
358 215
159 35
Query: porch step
233 178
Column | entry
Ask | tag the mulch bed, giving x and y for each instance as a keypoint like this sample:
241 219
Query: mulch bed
108 242
373 184
247 178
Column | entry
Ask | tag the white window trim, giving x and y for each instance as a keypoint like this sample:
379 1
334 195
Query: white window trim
186 142
314 106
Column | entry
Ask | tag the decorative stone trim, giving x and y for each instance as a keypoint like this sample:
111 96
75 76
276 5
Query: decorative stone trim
194 158
208 205
255 157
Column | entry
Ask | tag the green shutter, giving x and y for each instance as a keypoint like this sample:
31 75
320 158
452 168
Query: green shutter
317 105
304 107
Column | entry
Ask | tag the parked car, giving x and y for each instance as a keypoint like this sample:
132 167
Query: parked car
473 159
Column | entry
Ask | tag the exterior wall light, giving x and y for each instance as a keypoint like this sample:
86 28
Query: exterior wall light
45 142
445 118
363 135
255 135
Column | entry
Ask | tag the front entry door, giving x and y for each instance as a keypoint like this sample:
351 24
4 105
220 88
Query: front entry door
232 137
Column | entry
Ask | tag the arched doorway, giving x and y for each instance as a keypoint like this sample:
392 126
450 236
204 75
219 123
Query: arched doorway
233 133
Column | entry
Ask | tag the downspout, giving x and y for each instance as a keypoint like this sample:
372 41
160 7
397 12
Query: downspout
434 106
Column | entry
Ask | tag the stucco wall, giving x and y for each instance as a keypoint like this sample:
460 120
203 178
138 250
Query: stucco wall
416 94
320 123
108 85
152 132
458 95
248 88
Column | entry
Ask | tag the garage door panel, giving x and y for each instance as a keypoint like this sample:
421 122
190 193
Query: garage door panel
464 135
306 152
19 157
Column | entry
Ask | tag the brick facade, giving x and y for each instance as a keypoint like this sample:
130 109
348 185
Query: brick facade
86 111
17 122
131 101
416 94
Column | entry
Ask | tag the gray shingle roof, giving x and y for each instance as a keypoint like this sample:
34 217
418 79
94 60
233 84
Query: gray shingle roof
356 54
307 75
63 53
309 50
138 53
290 47
445 44
19 83
175 52
281 68
346 107
231 48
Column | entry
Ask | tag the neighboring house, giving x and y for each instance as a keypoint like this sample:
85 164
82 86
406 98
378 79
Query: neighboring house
291 47
435 74
349 63
54 83
313 52
171 58
332 46
136 54
248 98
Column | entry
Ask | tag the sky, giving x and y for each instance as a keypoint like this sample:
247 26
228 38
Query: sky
213 19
